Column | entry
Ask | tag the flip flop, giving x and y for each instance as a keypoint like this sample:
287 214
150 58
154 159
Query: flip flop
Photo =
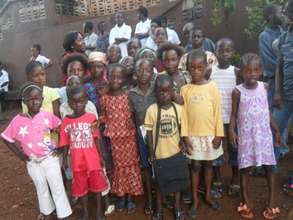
192 213
271 213
244 211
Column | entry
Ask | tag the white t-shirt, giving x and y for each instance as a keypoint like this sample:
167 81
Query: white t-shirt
3 79
150 43
43 60
143 28
173 36
90 41
120 32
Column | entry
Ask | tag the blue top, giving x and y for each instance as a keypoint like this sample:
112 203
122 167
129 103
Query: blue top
208 45
286 56
267 54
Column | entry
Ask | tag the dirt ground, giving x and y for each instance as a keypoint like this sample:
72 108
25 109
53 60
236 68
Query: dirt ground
18 197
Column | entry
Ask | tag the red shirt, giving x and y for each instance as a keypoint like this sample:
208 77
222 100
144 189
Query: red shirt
78 134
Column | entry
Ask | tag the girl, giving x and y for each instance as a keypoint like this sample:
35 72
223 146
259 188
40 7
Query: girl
170 54
140 98
37 75
75 64
251 116
73 42
162 123
128 63
98 70
33 131
133 46
113 54
79 135
121 131
202 126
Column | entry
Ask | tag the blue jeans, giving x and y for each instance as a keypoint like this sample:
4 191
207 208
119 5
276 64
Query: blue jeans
283 118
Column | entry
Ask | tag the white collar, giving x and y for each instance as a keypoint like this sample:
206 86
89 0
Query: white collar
116 26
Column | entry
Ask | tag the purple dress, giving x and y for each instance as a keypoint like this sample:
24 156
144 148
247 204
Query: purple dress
255 140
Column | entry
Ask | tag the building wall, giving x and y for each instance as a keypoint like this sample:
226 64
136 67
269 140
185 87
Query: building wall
17 37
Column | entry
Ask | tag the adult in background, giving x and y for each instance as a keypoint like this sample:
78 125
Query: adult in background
143 26
73 42
172 34
4 83
120 34
103 37
36 56
90 37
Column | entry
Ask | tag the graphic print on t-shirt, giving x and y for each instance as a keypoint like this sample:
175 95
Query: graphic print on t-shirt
80 135
168 126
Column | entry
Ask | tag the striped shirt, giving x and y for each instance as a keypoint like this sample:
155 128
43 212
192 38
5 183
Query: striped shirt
226 82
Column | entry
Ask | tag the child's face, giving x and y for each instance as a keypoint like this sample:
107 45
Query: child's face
149 56
78 102
116 78
154 26
161 36
97 69
197 69
132 48
75 81
197 39
129 65
114 55
224 52
144 74
34 52
171 61
33 100
38 76
164 93
75 68
79 44
252 72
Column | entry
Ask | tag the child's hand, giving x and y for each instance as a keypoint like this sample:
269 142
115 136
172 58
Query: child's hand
217 142
131 123
95 126
233 139
278 140
188 145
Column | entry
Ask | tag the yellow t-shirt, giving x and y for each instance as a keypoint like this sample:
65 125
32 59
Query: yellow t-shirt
201 111
49 95
168 141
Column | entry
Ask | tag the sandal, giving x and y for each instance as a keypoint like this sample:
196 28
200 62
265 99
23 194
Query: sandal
41 216
179 215
121 204
130 207
157 216
148 209
110 209
192 213
271 213
233 190
244 211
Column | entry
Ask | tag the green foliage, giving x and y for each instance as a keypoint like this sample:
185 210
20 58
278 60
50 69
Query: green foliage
256 22
221 10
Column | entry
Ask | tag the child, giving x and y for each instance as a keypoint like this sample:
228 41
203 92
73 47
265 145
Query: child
170 54
113 54
202 126
78 134
128 63
225 75
162 122
146 53
98 70
251 117
161 37
33 131
133 46
140 98
121 131
36 74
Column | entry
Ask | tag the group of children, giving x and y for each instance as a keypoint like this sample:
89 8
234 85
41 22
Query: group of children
149 121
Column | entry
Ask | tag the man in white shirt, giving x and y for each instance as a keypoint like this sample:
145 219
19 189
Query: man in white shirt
120 34
143 26
90 38
36 56
4 83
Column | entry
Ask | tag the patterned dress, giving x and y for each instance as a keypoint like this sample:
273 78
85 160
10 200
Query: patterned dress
120 130
255 140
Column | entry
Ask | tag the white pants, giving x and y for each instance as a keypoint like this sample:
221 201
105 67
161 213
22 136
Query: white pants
48 174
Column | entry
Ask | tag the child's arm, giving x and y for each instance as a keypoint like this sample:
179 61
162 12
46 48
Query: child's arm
18 152
56 106
278 96
65 157
150 145
99 145
177 98
232 125
219 128
239 78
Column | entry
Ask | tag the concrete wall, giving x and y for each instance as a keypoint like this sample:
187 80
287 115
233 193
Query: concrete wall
17 40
